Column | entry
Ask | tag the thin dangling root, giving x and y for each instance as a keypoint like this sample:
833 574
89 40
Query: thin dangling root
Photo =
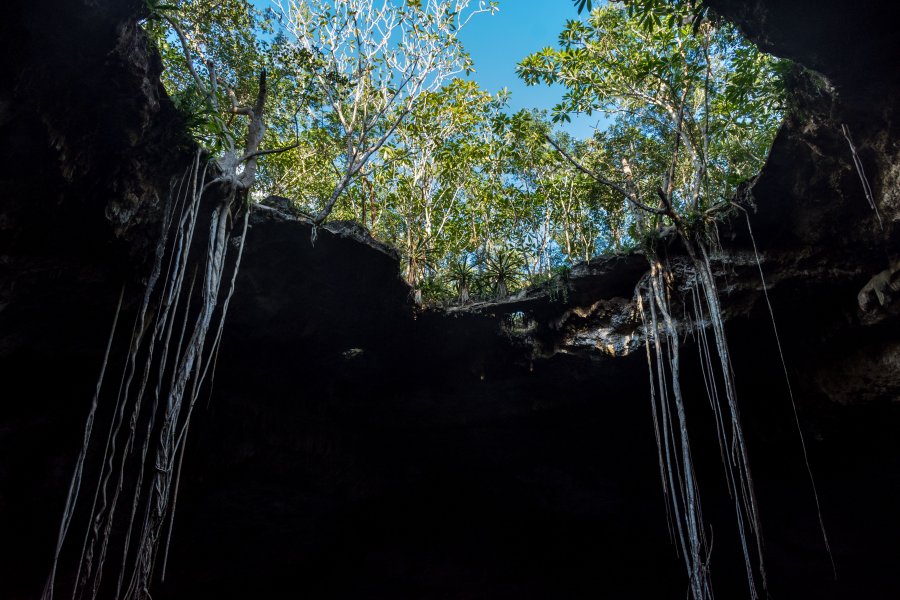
75 485
787 379
857 162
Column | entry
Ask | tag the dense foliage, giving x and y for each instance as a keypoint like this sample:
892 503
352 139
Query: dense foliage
693 106
383 130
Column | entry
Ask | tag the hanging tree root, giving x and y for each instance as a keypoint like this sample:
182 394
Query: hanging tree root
860 170
670 423
159 387
169 354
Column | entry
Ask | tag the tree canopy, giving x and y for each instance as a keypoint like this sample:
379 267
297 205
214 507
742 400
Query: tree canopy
693 105
380 126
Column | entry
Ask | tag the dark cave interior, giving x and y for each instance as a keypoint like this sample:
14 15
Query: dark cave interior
353 446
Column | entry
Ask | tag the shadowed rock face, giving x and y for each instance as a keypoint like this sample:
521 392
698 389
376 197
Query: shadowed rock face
356 447
850 43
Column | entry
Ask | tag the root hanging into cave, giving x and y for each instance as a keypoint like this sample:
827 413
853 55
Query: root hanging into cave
790 389
167 363
670 422
746 507
860 170
75 485
673 442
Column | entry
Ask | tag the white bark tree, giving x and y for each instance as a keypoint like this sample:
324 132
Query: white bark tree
374 59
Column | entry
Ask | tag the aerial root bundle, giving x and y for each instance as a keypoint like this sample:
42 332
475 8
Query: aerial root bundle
168 360
670 419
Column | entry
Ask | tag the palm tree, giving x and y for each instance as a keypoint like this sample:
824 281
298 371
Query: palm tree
462 273
503 269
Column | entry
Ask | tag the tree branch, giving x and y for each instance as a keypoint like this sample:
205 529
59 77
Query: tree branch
604 181
186 49
271 151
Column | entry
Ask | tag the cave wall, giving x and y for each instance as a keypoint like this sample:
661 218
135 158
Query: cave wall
355 446
853 47
88 145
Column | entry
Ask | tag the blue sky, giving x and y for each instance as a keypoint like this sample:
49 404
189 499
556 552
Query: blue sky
497 43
